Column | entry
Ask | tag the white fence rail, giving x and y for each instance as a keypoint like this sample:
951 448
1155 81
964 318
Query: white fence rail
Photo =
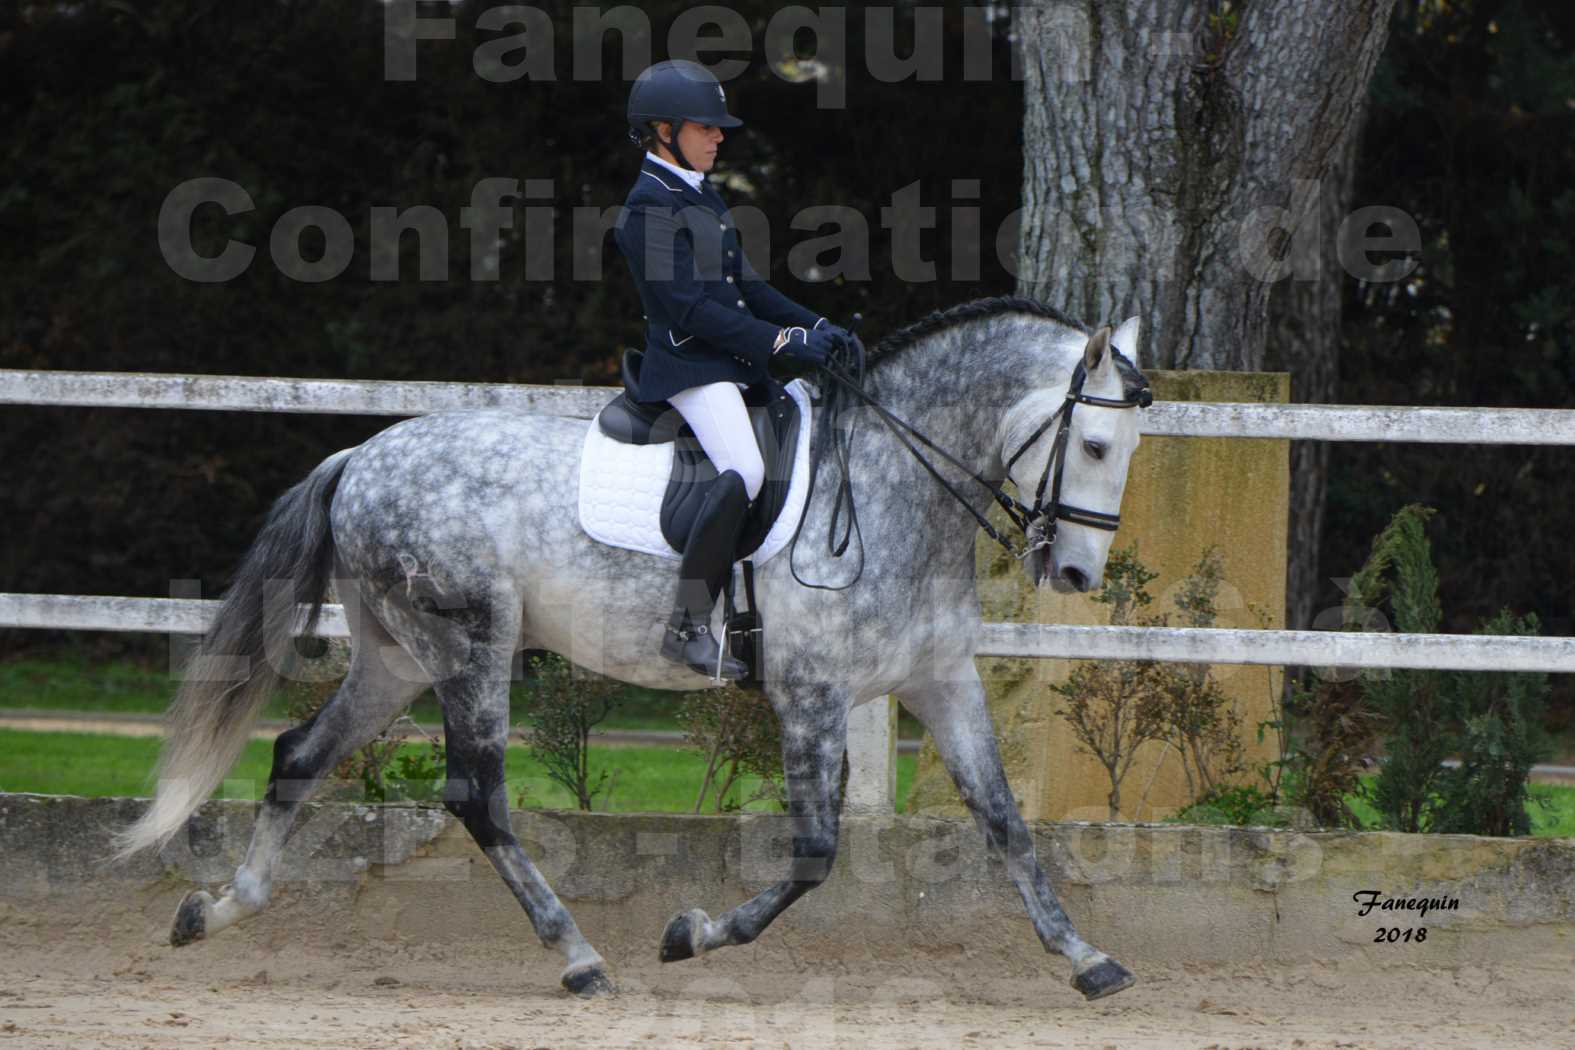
324 396
1207 645
1476 426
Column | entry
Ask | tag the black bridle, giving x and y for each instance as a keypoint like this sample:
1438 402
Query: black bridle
1037 523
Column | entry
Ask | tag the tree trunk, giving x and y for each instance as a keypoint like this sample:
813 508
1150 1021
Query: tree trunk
1304 340
1168 146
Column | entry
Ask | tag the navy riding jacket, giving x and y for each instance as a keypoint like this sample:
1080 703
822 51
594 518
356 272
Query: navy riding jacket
709 316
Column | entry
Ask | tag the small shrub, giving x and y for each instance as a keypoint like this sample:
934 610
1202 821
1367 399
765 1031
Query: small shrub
1327 734
1490 719
1237 805
413 776
1200 721
562 706
739 734
377 772
1500 738
1411 702
1114 707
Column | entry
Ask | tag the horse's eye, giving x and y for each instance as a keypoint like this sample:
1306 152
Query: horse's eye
1095 449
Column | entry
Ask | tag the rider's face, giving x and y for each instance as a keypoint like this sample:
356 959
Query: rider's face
698 141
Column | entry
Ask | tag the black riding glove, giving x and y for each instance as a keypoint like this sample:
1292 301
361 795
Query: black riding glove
841 335
809 345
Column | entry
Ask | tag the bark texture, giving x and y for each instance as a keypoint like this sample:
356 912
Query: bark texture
1169 147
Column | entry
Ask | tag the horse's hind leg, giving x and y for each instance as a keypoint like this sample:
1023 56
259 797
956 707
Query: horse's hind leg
476 727
382 681
954 712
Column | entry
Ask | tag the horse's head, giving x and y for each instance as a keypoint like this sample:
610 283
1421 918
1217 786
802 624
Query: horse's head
1075 468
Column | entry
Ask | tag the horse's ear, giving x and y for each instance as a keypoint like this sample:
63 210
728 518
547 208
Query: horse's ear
1126 340
1097 352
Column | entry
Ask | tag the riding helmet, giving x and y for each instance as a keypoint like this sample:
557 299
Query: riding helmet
678 90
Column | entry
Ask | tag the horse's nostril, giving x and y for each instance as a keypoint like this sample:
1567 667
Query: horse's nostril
1076 577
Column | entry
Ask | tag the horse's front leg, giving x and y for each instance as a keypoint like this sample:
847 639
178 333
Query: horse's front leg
814 736
954 712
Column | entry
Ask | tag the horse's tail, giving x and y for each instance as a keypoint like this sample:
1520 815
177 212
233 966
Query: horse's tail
243 657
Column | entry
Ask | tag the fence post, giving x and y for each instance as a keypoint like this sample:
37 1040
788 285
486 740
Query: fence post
872 757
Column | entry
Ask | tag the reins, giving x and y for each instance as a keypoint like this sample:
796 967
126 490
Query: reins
1037 523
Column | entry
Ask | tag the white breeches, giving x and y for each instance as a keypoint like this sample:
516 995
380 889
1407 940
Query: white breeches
716 413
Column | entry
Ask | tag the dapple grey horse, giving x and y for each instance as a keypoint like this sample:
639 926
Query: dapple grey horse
458 533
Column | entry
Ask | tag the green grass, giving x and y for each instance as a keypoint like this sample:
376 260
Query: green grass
1552 811
647 779
1556 819
116 688
124 688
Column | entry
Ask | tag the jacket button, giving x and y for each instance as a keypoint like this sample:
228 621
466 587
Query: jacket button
730 253
741 302
729 278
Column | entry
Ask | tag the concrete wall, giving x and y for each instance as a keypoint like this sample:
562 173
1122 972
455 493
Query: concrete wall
915 895
1182 495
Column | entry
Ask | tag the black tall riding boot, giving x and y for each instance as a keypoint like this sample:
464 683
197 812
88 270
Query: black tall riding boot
706 565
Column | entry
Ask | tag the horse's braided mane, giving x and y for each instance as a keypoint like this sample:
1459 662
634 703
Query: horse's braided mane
1132 380
976 310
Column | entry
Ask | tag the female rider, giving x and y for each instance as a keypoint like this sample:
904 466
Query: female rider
712 326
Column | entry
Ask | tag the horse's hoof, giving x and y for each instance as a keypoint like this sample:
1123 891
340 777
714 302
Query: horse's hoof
191 919
1106 977
588 982
681 938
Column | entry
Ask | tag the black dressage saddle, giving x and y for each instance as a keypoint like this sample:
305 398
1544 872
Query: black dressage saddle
772 412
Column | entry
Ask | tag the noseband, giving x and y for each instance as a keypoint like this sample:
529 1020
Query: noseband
1037 523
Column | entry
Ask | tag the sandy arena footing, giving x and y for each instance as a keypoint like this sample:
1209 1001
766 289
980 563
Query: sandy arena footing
389 929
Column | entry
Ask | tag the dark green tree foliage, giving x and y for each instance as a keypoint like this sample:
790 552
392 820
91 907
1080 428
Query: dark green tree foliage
1501 738
1490 719
107 106
1472 133
1412 702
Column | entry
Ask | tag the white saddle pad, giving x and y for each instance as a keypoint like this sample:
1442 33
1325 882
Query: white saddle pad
621 489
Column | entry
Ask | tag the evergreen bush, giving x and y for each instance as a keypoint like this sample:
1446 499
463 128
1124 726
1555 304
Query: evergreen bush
1490 719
